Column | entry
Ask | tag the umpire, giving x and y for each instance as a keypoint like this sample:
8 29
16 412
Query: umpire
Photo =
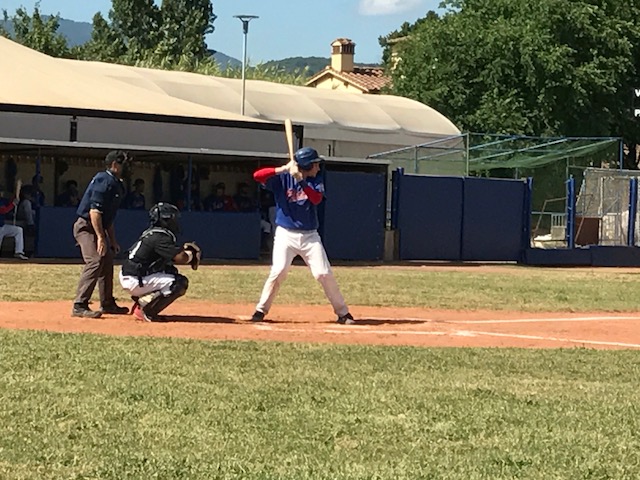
95 235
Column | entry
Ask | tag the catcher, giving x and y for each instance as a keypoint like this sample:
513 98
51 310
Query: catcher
149 272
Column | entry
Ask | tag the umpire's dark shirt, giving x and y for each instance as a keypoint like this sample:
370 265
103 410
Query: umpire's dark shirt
104 194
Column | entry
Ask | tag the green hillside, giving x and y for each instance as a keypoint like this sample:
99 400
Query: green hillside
291 64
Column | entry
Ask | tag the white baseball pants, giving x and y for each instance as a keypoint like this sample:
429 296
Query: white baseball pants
150 283
286 245
15 232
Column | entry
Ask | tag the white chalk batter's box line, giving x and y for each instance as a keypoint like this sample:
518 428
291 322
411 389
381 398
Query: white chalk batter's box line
455 333
511 320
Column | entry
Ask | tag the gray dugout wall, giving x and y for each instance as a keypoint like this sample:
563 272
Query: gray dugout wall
144 130
460 218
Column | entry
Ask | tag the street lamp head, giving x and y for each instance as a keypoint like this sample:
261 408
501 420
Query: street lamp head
245 19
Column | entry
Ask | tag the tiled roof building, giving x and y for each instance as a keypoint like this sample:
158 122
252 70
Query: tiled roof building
342 74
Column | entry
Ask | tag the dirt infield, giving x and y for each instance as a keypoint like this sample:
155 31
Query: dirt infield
376 325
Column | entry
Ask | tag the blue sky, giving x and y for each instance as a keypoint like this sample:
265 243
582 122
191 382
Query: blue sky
286 28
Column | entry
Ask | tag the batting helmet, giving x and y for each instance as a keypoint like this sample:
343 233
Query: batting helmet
165 215
306 157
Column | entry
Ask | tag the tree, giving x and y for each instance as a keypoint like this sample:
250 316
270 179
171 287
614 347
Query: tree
137 22
139 32
185 23
37 32
106 44
271 73
523 67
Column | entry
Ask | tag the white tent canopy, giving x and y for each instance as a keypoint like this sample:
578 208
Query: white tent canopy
31 78
274 101
347 124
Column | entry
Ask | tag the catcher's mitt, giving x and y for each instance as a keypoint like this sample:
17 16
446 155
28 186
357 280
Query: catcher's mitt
197 254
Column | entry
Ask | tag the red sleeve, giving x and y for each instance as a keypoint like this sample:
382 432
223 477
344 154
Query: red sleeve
6 208
263 174
314 196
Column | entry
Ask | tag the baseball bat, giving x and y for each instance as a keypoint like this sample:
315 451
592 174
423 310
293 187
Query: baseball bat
288 130
18 188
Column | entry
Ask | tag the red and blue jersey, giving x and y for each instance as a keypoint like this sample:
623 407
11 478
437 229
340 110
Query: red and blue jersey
295 201
5 207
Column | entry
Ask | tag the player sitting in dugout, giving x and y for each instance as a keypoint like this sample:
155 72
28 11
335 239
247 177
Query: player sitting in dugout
149 272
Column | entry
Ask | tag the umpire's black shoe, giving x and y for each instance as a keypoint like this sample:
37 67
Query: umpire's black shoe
84 312
257 316
346 319
114 309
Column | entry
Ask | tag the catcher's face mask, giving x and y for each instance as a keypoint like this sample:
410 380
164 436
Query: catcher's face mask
165 215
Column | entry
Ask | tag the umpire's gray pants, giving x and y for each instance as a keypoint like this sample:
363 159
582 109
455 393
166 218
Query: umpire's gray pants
96 269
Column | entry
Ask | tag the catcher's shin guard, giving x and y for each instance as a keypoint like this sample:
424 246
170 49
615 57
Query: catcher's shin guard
158 302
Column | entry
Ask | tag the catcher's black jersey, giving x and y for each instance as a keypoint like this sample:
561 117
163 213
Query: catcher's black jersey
152 253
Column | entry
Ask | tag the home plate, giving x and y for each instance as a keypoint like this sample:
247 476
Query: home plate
463 333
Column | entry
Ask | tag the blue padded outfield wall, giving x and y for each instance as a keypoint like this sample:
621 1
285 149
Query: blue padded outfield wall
461 218
429 212
495 219
353 215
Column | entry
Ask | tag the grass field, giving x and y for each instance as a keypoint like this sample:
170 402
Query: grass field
504 288
96 407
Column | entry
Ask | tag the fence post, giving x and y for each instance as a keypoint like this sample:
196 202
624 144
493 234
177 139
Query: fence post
570 233
633 208
527 207
189 180
395 196
467 148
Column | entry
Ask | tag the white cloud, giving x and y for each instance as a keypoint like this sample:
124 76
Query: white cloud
386 7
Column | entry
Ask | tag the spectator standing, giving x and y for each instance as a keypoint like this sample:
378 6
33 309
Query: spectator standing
135 199
243 200
219 201
70 197
25 212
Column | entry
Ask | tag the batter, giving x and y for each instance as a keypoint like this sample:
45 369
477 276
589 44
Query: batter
297 189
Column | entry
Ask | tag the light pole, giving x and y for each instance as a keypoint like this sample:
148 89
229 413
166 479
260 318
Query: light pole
245 19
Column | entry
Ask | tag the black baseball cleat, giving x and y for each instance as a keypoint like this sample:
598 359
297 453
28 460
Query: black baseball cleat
257 316
114 308
85 312
346 319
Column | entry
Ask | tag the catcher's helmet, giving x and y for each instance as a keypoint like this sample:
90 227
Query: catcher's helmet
165 215
306 157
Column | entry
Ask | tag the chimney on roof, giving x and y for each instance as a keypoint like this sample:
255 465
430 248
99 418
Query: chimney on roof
342 52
